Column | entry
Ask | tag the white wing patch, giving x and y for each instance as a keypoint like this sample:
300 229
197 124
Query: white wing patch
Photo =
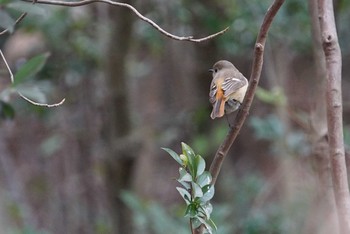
231 84
212 93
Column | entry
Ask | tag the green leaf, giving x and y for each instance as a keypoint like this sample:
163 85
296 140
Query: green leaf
208 193
186 150
6 111
196 190
184 175
206 224
30 68
191 210
32 9
33 92
174 155
212 224
6 21
200 165
204 179
195 223
184 160
184 194
186 185
207 209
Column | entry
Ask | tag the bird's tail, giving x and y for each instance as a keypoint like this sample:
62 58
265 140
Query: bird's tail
218 109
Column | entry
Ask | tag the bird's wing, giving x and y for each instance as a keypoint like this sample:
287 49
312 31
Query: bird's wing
232 84
212 92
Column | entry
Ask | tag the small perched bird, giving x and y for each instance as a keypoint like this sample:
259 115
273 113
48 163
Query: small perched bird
227 88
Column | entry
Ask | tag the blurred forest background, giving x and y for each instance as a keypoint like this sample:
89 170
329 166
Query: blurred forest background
94 164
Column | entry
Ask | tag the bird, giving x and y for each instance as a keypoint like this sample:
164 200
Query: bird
227 89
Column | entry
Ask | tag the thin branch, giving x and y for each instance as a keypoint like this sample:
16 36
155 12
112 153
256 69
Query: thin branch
20 18
253 82
24 97
334 106
138 14
191 227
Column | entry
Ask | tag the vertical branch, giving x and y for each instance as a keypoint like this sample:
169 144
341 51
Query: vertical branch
324 205
220 155
334 111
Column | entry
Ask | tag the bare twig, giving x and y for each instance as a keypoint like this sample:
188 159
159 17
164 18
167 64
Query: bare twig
335 112
20 18
220 155
142 17
20 94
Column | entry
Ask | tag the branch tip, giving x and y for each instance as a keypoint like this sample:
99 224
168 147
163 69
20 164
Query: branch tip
20 94
133 9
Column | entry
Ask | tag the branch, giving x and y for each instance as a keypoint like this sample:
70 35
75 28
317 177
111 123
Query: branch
20 94
138 14
20 18
335 112
253 82
325 210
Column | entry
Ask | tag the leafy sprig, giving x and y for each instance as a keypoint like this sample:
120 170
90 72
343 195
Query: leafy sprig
196 189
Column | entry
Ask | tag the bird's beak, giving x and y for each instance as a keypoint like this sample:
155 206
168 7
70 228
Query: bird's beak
211 70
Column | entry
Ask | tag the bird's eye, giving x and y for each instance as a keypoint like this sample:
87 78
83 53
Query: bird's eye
215 70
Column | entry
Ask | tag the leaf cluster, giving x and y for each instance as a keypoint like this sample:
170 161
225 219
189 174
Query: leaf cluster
196 190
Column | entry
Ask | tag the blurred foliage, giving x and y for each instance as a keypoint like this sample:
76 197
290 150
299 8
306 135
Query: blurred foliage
150 217
10 10
71 40
26 231
347 136
23 84
240 212
287 141
6 110
51 144
244 19
275 97
204 142
72 37
342 10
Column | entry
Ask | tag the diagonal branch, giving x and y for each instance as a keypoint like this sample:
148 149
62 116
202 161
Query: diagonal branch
220 155
137 13
18 20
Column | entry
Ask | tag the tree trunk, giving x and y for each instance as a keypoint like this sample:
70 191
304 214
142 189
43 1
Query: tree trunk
117 124
324 208
335 111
